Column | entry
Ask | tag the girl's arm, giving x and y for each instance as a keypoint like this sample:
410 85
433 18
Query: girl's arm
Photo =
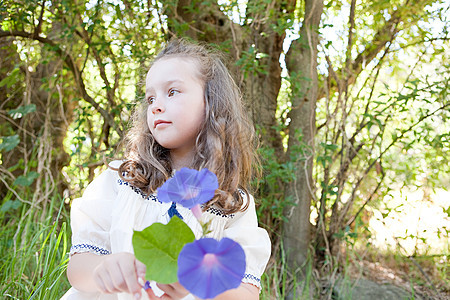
112 273
245 291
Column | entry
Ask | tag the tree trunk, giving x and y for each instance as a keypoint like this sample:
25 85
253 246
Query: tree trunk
261 89
302 66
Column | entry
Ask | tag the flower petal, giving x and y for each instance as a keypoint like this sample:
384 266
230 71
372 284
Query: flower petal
207 268
189 187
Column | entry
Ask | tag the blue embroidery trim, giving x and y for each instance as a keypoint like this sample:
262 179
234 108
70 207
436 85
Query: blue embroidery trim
218 212
90 248
174 212
139 191
252 277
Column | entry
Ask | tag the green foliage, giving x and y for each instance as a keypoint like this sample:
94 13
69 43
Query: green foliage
22 110
33 250
11 79
158 247
10 205
325 158
271 199
26 180
251 64
9 142
109 44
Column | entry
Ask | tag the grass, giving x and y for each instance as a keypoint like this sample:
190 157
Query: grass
34 250
279 283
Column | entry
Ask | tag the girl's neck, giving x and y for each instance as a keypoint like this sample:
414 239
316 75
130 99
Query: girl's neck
180 160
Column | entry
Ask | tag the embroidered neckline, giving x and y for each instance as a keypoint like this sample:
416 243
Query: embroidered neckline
139 191
218 212
152 197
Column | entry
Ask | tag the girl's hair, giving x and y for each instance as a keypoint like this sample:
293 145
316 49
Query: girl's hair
224 145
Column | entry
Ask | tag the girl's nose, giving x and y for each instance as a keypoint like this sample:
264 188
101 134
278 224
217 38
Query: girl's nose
157 107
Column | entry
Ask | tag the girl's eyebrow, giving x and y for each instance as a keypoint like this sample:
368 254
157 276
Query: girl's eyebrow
167 83
170 82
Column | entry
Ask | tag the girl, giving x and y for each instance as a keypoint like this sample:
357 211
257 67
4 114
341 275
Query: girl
192 117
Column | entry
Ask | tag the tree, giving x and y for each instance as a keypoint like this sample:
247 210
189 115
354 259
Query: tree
354 156
256 44
331 125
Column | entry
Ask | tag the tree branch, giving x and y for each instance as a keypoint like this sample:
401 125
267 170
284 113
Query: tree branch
350 36
38 29
385 35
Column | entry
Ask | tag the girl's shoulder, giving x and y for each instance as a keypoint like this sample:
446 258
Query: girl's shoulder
115 164
111 171
106 182
104 185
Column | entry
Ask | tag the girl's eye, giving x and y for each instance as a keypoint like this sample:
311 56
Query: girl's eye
173 92
150 100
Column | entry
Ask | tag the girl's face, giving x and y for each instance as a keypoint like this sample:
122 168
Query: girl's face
176 109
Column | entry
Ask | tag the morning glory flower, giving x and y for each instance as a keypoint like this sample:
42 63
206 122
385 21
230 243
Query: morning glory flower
197 211
207 267
189 187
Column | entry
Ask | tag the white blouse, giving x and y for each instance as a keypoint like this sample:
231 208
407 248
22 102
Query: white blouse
104 218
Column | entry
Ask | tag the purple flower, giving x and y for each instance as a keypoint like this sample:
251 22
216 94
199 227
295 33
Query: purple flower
147 285
207 267
189 187
197 211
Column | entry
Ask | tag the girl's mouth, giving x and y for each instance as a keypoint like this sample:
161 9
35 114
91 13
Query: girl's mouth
160 122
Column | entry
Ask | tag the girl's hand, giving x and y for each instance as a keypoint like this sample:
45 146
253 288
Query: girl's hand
119 273
173 291
151 295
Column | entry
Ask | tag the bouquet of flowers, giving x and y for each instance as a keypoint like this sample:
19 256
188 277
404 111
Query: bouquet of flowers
205 267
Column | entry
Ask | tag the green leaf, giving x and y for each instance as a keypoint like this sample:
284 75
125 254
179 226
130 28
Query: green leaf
10 205
11 78
26 180
158 247
447 211
22 111
9 142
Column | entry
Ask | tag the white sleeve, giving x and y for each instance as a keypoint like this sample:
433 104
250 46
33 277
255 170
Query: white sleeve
90 215
243 228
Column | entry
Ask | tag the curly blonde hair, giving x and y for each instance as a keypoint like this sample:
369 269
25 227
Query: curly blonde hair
225 144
